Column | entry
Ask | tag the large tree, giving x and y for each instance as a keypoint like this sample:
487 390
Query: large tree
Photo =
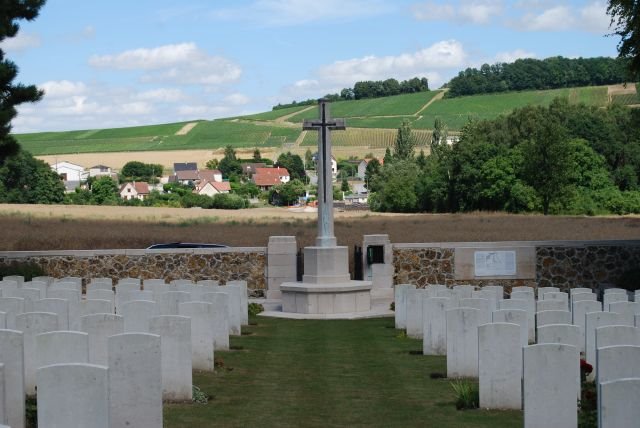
405 142
12 11
625 17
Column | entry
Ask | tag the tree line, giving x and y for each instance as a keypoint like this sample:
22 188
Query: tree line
550 73
560 159
369 89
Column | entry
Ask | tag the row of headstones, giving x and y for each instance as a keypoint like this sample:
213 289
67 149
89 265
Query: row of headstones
187 341
488 339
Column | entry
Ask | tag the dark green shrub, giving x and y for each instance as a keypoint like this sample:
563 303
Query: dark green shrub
588 406
31 411
199 396
255 309
27 269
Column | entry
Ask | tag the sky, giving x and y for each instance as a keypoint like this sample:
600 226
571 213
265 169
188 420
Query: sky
114 63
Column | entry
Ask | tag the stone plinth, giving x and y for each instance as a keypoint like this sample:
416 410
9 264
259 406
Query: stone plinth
304 298
326 265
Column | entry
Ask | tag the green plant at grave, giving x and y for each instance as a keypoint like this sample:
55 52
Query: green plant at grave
31 411
199 396
467 394
588 406
255 309
28 270
392 306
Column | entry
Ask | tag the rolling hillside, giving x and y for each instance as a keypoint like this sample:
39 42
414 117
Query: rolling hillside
371 123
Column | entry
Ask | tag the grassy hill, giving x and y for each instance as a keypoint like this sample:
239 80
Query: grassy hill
371 123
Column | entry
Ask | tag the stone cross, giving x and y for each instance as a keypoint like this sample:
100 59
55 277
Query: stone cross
324 126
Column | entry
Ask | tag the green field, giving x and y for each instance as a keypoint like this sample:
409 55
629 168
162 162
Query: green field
293 373
370 123
274 114
456 112
397 105
206 135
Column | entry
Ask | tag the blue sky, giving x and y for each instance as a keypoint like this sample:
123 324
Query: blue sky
125 63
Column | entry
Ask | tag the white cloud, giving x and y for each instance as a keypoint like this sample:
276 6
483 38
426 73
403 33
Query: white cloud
62 88
182 63
88 32
513 55
590 18
170 95
444 54
465 11
299 12
21 42
237 99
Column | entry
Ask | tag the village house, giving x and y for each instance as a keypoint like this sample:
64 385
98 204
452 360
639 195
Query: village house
211 188
265 178
249 169
100 171
72 175
334 164
184 166
205 175
134 190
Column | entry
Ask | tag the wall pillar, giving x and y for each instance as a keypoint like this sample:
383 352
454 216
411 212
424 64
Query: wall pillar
281 263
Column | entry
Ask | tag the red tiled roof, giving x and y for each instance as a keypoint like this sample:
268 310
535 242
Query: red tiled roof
208 174
140 187
221 186
280 172
266 179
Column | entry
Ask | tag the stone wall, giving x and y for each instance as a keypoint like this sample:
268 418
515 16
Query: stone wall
224 264
563 264
585 264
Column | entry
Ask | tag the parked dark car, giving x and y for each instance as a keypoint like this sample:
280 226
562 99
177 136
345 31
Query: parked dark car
184 245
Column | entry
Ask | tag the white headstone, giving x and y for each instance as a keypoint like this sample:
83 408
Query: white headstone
614 297
551 367
128 281
100 284
12 306
434 319
178 282
175 334
12 356
560 333
79 309
208 282
62 347
462 342
135 380
579 290
19 279
201 314
552 317
100 327
103 295
29 295
57 306
3 320
499 372
543 290
147 284
63 293
137 314
615 290
625 308
414 312
32 324
463 291
498 290
400 305
600 319
618 362
73 396
489 295
557 296
3 412
529 306
130 295
157 288
244 299
550 305
220 302
580 309
168 302
618 404
617 335
235 308
483 305
514 316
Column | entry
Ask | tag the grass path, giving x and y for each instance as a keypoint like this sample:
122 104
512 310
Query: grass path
328 373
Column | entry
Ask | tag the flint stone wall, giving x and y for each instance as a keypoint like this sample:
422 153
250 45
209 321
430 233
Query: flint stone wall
563 264
223 264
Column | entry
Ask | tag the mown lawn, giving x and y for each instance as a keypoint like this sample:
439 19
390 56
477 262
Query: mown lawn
290 373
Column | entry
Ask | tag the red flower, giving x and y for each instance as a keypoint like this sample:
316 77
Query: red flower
585 367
